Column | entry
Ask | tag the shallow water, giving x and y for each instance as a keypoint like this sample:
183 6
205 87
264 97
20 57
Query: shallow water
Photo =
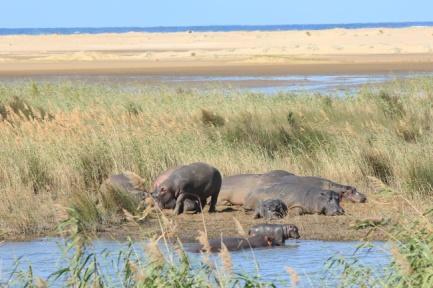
267 84
306 257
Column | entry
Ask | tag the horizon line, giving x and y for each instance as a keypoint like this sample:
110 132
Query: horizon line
225 25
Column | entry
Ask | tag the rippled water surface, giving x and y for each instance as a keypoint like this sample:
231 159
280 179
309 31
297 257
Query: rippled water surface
268 84
306 257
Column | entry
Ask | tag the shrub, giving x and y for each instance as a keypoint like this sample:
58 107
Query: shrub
23 110
133 108
391 105
36 174
95 165
420 178
211 118
376 163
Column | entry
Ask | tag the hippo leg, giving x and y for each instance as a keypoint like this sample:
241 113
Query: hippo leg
213 201
179 204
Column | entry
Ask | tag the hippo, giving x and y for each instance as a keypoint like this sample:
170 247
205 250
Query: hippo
189 204
345 191
235 189
236 243
307 199
196 181
128 182
270 208
278 232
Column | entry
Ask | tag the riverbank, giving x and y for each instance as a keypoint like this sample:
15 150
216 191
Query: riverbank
221 53
61 140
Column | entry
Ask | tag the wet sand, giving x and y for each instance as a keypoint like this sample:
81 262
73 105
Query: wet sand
221 53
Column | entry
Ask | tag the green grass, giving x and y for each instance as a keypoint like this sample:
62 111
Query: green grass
94 130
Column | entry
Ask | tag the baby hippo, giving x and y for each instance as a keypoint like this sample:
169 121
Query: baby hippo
236 243
270 208
278 232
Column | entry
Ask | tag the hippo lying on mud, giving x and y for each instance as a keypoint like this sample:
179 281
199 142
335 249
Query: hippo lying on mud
235 189
278 232
345 191
189 204
271 208
128 182
235 243
307 199
196 181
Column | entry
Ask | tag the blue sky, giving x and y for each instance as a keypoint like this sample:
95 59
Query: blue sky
97 13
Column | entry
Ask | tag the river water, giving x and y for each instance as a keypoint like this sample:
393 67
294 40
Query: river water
336 84
306 257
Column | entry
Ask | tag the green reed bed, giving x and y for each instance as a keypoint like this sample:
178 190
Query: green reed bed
59 141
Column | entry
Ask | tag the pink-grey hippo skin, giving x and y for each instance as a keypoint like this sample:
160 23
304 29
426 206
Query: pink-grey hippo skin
345 191
189 204
305 198
278 232
270 209
235 243
196 181
235 189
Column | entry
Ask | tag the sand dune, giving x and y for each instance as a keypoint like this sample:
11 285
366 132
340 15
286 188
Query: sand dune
405 48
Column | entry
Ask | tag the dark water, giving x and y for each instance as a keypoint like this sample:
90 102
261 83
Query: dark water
307 258
222 28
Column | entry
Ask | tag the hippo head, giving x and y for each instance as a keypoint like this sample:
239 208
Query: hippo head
351 194
291 232
328 202
164 197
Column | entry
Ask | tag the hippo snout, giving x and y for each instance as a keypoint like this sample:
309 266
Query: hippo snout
362 198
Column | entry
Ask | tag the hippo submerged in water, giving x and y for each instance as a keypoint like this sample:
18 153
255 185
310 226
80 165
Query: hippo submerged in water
307 199
196 181
278 232
235 243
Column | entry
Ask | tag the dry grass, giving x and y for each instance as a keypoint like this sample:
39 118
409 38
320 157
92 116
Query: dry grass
93 131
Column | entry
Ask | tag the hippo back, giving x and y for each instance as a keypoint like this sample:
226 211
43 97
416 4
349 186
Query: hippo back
234 189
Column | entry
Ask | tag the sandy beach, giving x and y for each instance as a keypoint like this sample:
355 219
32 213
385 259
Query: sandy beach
221 53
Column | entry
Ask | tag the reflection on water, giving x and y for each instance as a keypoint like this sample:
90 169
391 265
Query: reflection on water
306 257
340 84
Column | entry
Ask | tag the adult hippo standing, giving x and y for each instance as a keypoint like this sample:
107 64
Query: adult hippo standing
189 204
308 199
196 181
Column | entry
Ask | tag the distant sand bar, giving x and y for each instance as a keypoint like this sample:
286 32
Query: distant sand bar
281 52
